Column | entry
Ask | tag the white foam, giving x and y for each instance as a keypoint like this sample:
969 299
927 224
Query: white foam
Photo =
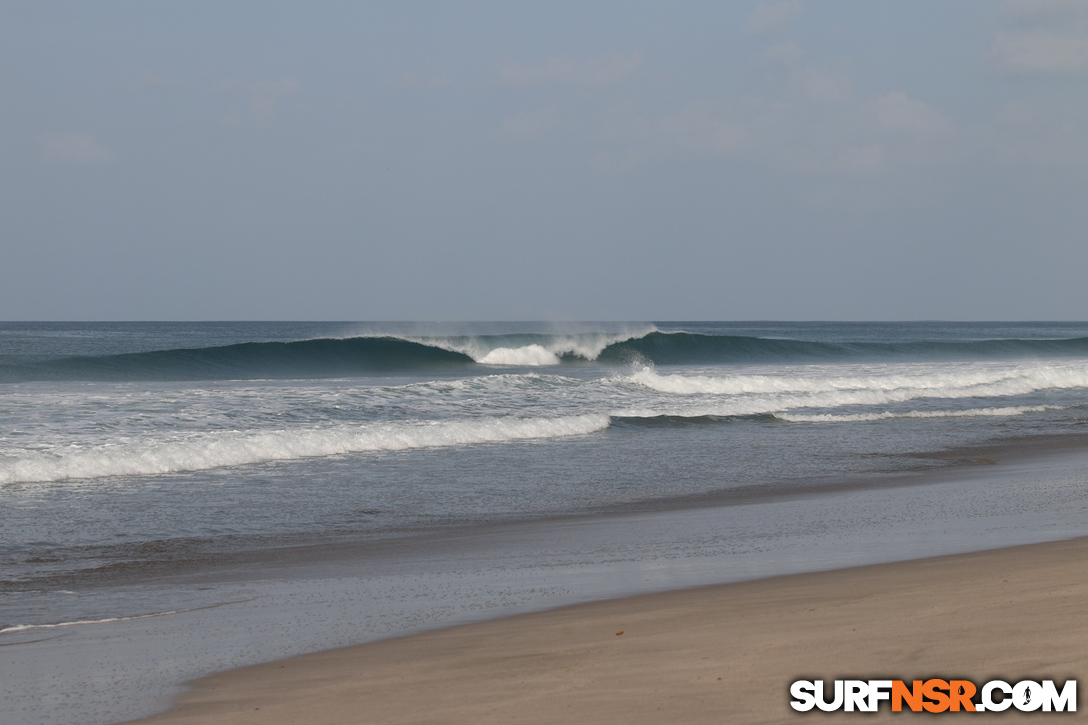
834 386
548 351
234 448
880 384
531 355
888 415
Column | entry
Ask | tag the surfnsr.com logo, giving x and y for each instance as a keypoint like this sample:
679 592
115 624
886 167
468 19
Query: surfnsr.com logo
934 695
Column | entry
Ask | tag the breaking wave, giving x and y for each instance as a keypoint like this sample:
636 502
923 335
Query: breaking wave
878 387
393 355
231 448
683 348
248 360
875 385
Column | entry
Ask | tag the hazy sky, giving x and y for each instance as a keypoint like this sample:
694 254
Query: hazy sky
554 160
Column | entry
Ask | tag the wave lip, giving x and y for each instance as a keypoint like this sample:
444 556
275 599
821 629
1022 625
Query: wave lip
248 360
207 450
536 349
391 355
686 348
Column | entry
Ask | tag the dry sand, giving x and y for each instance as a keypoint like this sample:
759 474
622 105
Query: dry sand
723 654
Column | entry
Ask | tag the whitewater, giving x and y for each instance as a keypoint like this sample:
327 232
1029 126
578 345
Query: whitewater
141 461
312 427
126 429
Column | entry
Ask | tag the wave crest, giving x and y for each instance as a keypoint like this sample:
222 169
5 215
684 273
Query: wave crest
973 382
214 450
393 355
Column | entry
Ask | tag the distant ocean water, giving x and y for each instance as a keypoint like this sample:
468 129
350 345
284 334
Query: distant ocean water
139 461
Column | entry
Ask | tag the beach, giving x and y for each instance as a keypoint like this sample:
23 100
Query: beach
711 654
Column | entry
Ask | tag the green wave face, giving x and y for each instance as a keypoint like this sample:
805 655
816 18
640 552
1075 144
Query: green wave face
682 348
250 360
392 355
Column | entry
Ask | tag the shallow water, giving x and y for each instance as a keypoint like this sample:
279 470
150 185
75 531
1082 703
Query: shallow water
408 478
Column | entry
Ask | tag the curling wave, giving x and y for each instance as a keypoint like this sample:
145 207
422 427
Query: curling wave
248 360
392 355
684 348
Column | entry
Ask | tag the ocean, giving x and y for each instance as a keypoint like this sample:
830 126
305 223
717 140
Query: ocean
177 498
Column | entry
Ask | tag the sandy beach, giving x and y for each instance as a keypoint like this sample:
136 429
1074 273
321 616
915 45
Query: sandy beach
714 654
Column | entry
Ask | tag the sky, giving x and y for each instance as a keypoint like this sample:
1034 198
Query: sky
795 160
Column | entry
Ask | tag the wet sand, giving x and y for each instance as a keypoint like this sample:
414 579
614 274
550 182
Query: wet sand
715 654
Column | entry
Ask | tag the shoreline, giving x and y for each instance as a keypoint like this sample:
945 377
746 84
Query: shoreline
203 561
319 601
696 655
